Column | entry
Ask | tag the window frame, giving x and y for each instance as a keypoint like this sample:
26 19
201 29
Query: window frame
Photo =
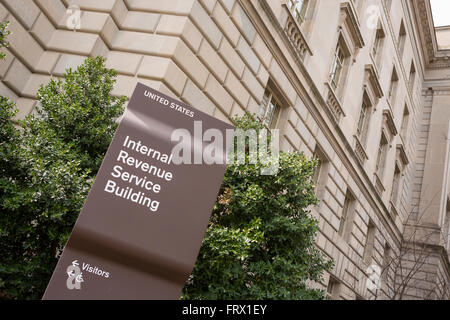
337 67
299 14
333 289
370 242
392 93
378 44
405 123
265 103
321 172
363 125
401 40
347 216
396 180
412 76
337 78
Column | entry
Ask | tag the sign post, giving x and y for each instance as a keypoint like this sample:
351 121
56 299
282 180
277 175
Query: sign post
141 227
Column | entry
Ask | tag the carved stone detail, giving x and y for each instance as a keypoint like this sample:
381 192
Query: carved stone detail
360 151
334 104
295 36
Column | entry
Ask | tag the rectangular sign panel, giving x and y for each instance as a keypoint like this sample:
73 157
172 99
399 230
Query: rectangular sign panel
141 227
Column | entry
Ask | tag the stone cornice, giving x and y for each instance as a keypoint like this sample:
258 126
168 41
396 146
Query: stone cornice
372 79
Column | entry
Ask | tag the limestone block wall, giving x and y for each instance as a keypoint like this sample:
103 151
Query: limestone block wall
156 43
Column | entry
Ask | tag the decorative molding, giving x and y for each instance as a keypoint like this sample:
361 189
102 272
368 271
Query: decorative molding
377 66
350 19
295 35
372 79
401 154
394 211
434 58
379 187
388 122
360 151
334 104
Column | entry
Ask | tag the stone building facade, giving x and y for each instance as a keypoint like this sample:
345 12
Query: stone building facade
362 85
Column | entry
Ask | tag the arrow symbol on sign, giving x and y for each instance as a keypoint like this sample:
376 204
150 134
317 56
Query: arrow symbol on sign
75 263
71 273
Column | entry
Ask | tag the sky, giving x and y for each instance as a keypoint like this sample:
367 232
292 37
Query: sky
441 12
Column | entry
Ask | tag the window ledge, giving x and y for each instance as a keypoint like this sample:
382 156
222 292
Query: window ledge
350 18
360 151
402 154
295 35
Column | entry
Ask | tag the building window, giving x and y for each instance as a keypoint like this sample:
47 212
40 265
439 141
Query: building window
412 76
337 66
269 110
317 170
370 242
381 158
405 123
346 222
401 38
378 45
364 120
393 87
333 289
320 166
298 9
386 262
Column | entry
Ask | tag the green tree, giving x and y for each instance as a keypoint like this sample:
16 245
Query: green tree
47 169
260 240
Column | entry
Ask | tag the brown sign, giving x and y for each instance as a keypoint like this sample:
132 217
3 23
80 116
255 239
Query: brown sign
140 230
